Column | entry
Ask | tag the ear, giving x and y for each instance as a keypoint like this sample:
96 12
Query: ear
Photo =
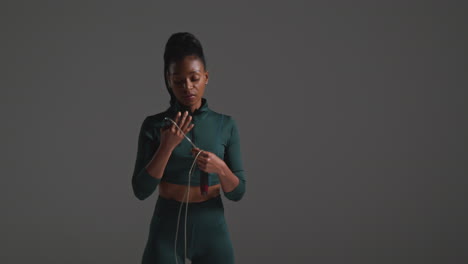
206 76
167 76
168 80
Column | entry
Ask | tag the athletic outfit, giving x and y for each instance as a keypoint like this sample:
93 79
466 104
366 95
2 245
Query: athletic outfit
208 239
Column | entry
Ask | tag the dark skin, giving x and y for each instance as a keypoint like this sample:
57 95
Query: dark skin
186 77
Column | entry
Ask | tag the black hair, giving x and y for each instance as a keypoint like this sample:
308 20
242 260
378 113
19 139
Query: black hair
179 46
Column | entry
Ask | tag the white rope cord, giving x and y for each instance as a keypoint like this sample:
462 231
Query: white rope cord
186 194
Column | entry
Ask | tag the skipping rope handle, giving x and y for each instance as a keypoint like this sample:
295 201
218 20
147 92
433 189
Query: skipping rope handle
204 183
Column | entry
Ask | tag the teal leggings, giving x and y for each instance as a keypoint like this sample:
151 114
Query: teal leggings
208 238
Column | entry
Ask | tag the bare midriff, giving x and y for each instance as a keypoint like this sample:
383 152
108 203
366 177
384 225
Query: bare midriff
176 192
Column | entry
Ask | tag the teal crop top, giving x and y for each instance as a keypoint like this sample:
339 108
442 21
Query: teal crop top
214 132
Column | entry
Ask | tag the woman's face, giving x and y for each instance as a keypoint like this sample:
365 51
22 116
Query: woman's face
187 79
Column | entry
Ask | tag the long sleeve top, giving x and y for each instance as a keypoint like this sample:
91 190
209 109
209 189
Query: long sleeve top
214 132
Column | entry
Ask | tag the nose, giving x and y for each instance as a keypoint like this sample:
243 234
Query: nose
188 84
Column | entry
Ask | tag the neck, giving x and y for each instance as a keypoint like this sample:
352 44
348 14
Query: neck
200 108
190 108
195 106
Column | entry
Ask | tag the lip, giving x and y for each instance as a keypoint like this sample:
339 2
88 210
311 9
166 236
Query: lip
189 97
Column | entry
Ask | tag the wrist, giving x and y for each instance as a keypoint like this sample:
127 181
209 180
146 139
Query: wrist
165 148
223 168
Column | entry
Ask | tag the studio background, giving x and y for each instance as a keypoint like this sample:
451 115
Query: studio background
352 119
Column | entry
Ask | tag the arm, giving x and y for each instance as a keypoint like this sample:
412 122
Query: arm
232 177
150 164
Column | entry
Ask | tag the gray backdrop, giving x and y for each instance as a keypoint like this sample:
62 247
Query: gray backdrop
351 114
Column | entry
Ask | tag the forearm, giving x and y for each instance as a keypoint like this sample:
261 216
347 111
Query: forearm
232 185
146 179
228 180
159 161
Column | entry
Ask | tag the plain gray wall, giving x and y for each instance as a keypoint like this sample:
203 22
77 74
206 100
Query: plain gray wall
352 119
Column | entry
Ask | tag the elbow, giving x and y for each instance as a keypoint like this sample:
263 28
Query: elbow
139 193
238 192
140 196
144 184
234 198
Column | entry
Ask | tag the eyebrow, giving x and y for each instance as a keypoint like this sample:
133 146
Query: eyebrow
176 73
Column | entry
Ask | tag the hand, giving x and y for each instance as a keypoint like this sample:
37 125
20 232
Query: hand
171 136
208 161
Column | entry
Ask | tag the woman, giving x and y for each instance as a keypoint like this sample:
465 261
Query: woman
165 158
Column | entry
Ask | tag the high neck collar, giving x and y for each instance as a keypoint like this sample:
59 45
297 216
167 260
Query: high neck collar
201 111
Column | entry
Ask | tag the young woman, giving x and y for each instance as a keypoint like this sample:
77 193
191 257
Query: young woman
166 158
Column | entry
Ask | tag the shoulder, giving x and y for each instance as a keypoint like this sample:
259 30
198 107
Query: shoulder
229 125
227 120
151 124
155 120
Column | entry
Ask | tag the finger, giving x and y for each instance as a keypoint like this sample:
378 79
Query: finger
202 153
182 121
196 150
201 165
196 153
190 127
203 159
176 117
186 124
173 126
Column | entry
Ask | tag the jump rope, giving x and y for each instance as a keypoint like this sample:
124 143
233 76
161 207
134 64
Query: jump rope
186 194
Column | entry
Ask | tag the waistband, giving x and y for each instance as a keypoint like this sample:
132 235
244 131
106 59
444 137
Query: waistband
164 203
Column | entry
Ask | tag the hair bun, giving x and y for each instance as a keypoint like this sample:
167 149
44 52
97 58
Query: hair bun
182 43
